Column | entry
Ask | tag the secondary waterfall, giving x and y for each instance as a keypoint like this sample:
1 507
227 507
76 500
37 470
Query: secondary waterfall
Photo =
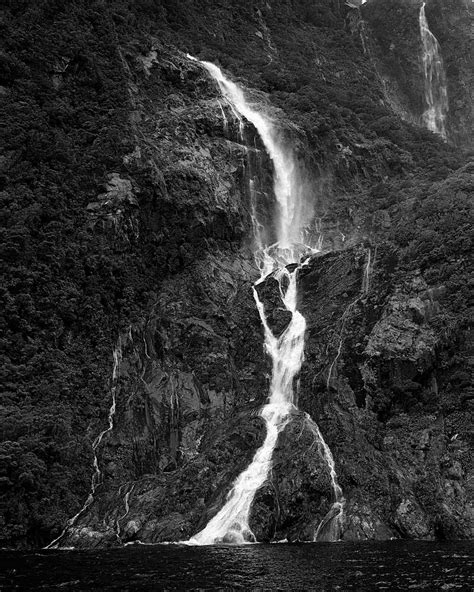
436 94
231 523
97 474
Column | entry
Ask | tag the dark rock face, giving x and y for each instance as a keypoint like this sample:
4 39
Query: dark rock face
278 317
298 494
128 226
372 381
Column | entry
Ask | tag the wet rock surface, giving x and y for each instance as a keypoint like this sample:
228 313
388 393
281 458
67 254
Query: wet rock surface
129 229
298 493
278 317
372 381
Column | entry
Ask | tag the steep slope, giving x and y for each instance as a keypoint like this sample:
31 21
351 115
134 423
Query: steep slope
127 223
452 23
394 41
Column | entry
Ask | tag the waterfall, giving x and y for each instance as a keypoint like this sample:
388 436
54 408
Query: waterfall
366 277
436 94
126 504
294 212
231 523
330 527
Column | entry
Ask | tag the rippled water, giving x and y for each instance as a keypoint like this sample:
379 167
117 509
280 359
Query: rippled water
395 566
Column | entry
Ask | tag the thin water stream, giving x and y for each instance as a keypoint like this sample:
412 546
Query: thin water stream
96 478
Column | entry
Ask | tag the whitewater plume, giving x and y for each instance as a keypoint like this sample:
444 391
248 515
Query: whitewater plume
436 94
293 215
231 525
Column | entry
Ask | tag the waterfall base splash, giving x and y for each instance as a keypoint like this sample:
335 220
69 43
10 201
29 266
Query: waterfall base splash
231 523
331 526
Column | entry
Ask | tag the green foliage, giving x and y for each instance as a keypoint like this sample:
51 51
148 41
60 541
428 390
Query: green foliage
67 289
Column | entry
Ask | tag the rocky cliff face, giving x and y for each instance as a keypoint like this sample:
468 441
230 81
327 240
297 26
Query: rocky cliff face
373 382
128 228
393 39
380 380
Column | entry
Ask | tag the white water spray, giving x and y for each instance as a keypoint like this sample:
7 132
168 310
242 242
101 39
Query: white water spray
231 523
96 476
436 94
294 211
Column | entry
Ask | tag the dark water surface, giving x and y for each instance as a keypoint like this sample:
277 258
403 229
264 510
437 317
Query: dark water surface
395 566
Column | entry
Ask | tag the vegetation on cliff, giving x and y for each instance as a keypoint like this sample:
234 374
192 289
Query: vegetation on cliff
98 216
395 44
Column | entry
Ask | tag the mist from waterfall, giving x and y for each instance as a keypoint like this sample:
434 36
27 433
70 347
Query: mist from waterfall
231 523
436 94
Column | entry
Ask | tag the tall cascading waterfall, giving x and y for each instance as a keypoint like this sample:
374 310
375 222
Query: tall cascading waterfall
436 94
231 523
